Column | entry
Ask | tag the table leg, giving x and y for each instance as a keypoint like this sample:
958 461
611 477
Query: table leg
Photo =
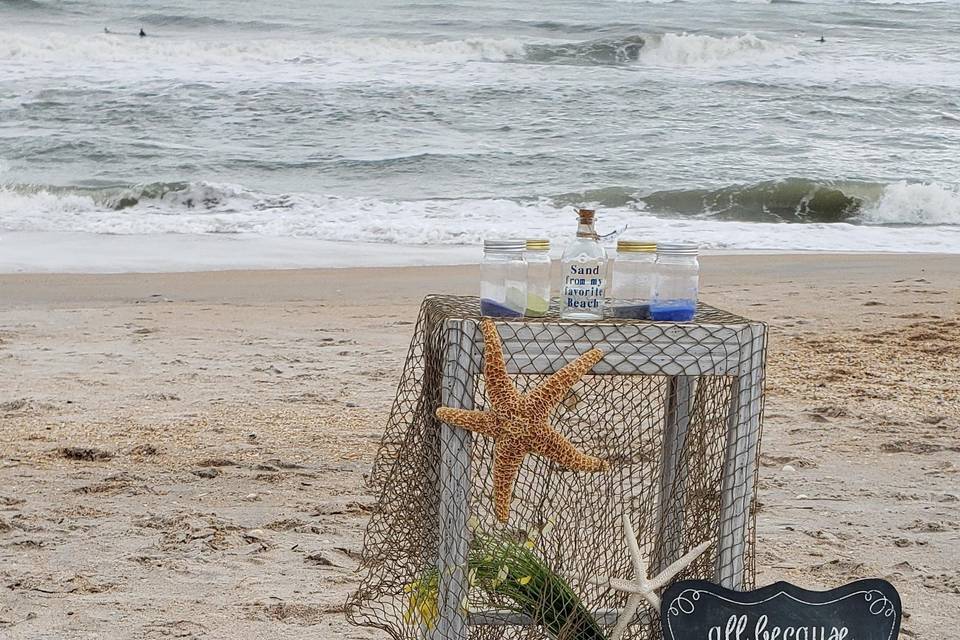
670 510
740 459
459 376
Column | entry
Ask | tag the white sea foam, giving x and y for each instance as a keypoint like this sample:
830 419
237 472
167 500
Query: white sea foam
903 1
390 49
831 4
68 51
684 49
104 48
918 204
95 253
234 211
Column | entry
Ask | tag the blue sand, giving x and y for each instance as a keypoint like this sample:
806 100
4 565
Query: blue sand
631 311
674 311
496 310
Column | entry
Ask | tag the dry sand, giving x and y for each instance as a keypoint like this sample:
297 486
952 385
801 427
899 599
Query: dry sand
183 455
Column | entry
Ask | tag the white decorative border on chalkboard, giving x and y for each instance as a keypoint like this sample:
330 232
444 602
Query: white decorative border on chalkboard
685 604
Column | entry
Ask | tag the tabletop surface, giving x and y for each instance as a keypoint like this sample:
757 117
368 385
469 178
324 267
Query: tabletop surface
468 308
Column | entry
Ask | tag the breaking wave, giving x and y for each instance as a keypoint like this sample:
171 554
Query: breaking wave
684 49
601 52
203 207
57 47
670 49
791 200
915 204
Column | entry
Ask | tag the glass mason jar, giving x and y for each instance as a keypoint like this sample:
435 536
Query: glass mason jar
503 279
632 287
538 277
676 283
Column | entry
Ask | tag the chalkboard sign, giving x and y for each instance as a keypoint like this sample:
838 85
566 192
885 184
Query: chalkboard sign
862 610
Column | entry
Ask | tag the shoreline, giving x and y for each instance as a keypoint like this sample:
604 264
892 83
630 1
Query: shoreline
406 285
87 253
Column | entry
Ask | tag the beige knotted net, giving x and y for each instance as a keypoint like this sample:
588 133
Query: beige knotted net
674 408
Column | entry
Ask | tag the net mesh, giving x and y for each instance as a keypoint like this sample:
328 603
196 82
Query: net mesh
675 409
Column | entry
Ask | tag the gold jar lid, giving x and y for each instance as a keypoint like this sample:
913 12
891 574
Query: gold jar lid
538 244
636 246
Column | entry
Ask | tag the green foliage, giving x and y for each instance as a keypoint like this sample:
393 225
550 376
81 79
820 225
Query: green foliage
510 576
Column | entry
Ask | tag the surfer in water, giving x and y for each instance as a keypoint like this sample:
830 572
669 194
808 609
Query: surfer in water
822 39
143 34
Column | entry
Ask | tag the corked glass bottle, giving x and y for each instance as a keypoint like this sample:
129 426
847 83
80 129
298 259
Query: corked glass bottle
584 265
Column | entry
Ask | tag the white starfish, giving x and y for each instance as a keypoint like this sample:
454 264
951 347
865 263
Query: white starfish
641 587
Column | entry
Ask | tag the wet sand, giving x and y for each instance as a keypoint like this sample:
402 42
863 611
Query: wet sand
184 455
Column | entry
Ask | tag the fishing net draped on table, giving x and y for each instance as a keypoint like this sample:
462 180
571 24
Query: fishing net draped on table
675 409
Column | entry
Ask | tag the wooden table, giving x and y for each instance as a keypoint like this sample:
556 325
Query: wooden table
716 343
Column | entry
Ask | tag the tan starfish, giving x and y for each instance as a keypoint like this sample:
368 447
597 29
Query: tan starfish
520 423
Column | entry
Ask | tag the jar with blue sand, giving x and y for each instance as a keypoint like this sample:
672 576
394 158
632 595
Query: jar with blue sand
676 284
503 278
632 285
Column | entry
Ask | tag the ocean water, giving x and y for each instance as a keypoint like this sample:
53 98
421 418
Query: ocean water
376 124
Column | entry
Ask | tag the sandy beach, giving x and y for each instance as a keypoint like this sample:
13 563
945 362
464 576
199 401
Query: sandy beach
184 455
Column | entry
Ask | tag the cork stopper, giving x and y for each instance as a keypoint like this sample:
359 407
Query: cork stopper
586 215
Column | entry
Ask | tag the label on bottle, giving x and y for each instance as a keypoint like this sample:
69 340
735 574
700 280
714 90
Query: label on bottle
583 286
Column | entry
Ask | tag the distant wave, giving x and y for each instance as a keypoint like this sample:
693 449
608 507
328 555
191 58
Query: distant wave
855 2
182 20
31 5
647 1
670 49
684 49
605 51
36 8
570 27
112 48
901 1
399 50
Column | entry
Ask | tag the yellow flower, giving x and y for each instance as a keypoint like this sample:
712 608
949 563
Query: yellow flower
428 613
422 605
529 543
524 580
